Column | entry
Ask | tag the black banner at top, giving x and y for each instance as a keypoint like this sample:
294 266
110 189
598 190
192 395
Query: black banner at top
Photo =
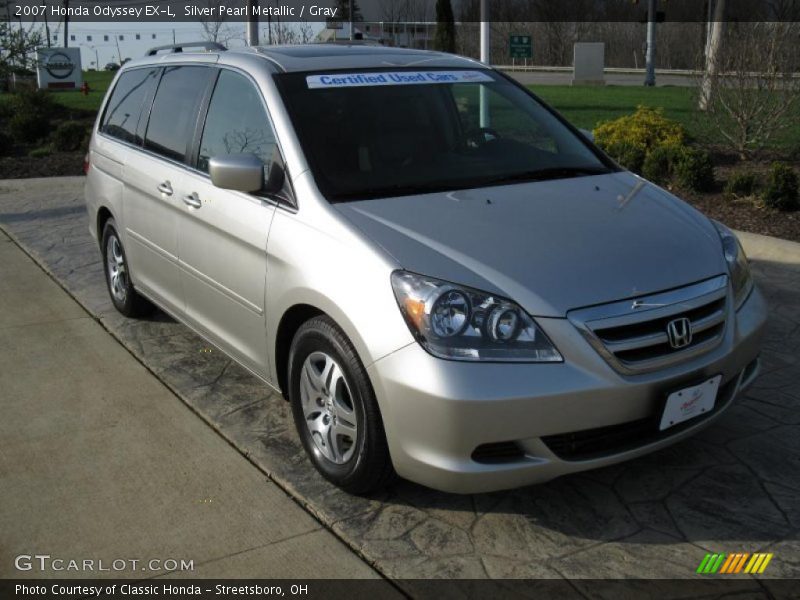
335 12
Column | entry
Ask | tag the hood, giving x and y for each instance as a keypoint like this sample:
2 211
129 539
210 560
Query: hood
550 246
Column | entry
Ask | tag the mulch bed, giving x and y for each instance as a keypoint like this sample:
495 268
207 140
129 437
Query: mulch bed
56 165
745 214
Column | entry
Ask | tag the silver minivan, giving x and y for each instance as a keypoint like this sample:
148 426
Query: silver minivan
444 278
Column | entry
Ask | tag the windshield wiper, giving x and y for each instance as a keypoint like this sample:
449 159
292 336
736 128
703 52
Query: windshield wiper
549 173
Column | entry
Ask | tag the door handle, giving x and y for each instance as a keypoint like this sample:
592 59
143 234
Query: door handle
192 200
165 188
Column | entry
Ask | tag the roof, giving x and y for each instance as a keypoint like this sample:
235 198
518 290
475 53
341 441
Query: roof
339 56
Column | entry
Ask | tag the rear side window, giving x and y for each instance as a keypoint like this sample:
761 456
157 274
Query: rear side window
174 112
236 123
124 108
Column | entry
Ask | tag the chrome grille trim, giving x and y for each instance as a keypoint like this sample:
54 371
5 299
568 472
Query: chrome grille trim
631 334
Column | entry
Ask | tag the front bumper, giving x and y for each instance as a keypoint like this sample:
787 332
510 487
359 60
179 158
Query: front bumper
437 413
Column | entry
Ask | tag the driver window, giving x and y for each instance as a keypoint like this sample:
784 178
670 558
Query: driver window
236 122
506 121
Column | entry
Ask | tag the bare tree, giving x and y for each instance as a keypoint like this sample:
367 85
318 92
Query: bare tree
393 11
214 27
305 33
17 48
713 54
284 33
751 93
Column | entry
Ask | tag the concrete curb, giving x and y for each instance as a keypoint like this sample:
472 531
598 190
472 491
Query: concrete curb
774 249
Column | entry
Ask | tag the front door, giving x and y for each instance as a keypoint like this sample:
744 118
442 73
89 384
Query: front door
223 234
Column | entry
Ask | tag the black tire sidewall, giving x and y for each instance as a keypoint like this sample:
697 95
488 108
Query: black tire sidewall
316 336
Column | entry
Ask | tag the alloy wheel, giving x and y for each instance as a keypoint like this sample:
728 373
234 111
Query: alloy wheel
328 407
117 272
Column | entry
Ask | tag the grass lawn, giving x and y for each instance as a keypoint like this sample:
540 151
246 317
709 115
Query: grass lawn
98 84
586 106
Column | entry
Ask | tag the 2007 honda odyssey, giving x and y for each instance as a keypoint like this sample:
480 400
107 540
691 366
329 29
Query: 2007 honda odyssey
444 278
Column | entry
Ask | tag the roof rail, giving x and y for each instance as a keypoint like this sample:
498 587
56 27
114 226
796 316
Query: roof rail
208 46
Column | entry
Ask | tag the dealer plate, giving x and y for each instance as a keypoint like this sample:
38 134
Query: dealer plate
690 402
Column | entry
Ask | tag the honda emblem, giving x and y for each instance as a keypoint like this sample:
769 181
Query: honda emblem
679 332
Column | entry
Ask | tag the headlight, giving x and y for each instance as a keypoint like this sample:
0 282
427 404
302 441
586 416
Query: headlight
738 266
460 323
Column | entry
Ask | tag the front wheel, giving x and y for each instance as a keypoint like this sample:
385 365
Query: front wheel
335 410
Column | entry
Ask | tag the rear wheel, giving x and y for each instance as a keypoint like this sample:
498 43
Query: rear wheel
335 410
125 298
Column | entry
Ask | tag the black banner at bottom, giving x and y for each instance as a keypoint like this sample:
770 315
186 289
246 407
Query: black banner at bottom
312 589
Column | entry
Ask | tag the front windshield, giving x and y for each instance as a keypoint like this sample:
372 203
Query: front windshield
369 134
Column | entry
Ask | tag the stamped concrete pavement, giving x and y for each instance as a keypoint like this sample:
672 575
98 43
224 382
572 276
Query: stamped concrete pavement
99 461
732 488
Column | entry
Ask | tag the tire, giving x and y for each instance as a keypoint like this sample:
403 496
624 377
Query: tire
115 265
335 410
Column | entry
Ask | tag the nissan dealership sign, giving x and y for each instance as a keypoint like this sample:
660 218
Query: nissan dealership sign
59 68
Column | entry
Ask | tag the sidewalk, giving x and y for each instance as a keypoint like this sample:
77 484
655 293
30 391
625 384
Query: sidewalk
100 461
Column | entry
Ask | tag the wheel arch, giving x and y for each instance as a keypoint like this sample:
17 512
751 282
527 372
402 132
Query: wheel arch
103 215
292 319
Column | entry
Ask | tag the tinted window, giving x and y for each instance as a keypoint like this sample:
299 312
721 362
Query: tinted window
125 105
174 112
237 122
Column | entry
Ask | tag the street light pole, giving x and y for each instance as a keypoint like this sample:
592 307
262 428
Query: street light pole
47 28
66 24
652 15
486 59
350 9
485 32
252 23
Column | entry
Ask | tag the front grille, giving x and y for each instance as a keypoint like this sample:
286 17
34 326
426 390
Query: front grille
613 439
632 335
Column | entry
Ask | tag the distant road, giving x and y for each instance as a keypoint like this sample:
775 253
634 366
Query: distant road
630 77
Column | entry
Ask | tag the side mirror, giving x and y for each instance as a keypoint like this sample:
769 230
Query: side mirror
240 172
587 134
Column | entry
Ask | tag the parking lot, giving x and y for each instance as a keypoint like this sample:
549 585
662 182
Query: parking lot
733 488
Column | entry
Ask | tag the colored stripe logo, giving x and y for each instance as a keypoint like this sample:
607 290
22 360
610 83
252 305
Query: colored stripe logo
740 562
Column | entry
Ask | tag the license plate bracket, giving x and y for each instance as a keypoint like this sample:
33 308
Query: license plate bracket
690 402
